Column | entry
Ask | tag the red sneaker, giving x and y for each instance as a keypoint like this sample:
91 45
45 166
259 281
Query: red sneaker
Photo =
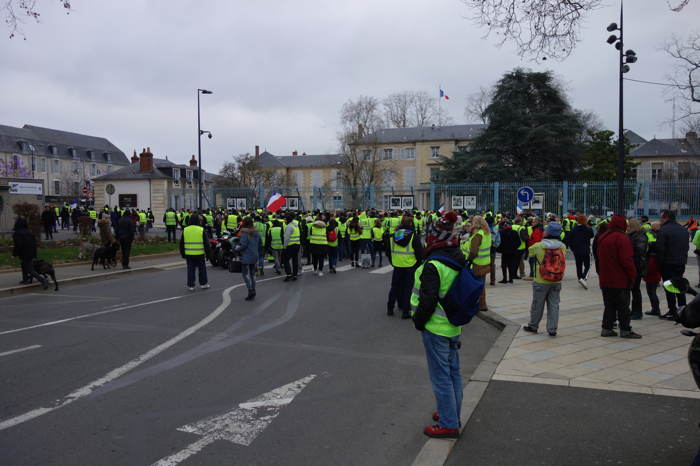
440 432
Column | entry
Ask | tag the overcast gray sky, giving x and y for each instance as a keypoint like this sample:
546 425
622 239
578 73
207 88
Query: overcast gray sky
280 70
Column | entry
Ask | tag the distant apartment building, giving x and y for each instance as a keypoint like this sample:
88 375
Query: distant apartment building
668 159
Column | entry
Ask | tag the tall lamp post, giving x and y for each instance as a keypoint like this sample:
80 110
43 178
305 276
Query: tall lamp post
625 57
199 144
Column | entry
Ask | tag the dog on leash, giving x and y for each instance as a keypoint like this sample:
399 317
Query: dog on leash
106 256
46 270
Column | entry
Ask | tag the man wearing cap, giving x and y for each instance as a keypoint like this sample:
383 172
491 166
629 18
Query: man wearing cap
546 290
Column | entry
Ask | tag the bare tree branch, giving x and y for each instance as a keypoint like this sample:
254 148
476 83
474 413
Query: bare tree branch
14 11
686 51
679 6
476 105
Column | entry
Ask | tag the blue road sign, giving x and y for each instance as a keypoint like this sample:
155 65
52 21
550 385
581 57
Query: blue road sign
525 194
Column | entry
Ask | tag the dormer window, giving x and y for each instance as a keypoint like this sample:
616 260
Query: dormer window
176 174
91 155
108 157
22 146
73 153
53 150
188 174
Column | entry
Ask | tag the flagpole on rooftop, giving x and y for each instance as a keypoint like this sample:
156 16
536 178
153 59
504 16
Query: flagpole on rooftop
439 99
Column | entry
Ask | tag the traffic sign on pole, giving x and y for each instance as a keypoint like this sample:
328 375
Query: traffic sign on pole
525 194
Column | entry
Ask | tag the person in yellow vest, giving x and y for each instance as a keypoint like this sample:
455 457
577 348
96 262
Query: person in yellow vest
194 248
480 253
292 244
318 243
343 239
404 252
93 218
377 241
366 234
354 234
520 228
170 220
275 238
441 341
333 242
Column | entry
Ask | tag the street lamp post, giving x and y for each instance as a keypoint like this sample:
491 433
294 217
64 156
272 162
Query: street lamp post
625 57
199 145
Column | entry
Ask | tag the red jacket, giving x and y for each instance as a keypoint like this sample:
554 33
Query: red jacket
536 237
616 267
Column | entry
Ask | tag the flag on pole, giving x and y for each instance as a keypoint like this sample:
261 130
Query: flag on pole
276 202
441 209
442 94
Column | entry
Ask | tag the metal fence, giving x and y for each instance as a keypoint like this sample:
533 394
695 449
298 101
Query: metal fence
591 197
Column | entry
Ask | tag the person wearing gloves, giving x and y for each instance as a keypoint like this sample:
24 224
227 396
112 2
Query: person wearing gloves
440 338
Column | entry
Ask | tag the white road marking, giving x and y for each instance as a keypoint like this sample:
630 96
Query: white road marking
19 350
344 268
242 424
85 316
119 371
385 269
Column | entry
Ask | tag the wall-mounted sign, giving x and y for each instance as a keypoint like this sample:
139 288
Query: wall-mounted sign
292 203
407 202
464 202
128 201
18 187
457 202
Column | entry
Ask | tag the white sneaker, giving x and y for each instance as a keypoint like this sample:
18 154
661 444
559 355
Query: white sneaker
582 282
191 288
320 274
204 287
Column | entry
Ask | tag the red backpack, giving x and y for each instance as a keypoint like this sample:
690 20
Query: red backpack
332 236
553 266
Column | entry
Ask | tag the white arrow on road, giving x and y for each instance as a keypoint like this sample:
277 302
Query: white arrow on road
240 425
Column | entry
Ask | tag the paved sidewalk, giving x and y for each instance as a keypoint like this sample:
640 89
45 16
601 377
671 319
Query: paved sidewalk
579 357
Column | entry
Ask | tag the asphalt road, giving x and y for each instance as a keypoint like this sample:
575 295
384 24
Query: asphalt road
533 424
114 388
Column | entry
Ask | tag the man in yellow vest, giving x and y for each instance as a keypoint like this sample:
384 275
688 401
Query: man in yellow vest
433 279
170 220
292 244
275 238
318 244
194 248
405 250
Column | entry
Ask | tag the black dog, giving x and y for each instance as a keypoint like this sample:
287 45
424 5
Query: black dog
106 256
46 270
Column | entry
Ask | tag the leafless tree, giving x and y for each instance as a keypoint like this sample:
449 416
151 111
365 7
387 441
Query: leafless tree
424 111
540 29
397 107
245 172
15 11
686 78
691 123
476 105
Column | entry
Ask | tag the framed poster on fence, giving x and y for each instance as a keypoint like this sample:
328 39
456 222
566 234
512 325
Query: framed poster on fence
230 202
292 203
395 202
407 202
457 202
470 202
241 203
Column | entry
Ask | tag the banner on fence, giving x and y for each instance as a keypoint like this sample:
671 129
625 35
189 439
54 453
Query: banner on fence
292 203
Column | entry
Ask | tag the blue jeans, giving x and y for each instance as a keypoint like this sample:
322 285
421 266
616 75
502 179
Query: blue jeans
332 256
442 354
196 262
248 272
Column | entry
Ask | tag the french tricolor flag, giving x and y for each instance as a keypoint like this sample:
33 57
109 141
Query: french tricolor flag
276 202
442 94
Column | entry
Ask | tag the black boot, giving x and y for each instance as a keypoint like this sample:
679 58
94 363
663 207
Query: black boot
251 295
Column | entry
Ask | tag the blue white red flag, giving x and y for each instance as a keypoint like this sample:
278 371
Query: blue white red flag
276 202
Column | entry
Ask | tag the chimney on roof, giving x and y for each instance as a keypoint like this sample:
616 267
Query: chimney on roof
257 151
691 137
146 160
304 153
134 158
295 153
193 161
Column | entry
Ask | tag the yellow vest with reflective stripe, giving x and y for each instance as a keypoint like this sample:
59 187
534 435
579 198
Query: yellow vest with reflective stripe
517 229
377 233
276 238
192 237
170 219
438 323
366 225
231 222
295 238
403 257
93 214
342 227
354 235
483 255
317 235
142 217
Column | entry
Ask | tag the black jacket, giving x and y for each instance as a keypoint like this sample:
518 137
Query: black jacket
579 240
126 229
510 241
639 250
24 244
430 285
672 245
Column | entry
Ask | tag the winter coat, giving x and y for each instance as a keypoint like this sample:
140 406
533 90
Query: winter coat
672 245
579 240
639 251
653 274
510 241
536 236
250 246
48 217
538 250
614 257
24 243
430 285
126 229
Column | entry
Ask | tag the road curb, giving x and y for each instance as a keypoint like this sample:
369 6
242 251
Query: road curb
436 451
68 264
17 290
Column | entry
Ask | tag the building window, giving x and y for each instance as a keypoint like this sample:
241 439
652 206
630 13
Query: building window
656 170
683 170
338 179
93 169
109 168
56 166
408 153
73 153
41 165
56 187
188 175
388 154
91 154
108 157
386 201
176 174
409 176
635 173
76 188
434 152
53 150
337 201
316 178
434 175
366 154
296 176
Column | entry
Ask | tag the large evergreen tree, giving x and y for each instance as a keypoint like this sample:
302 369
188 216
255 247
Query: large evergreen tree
600 157
532 134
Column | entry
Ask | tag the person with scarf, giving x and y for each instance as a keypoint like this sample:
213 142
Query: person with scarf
440 337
